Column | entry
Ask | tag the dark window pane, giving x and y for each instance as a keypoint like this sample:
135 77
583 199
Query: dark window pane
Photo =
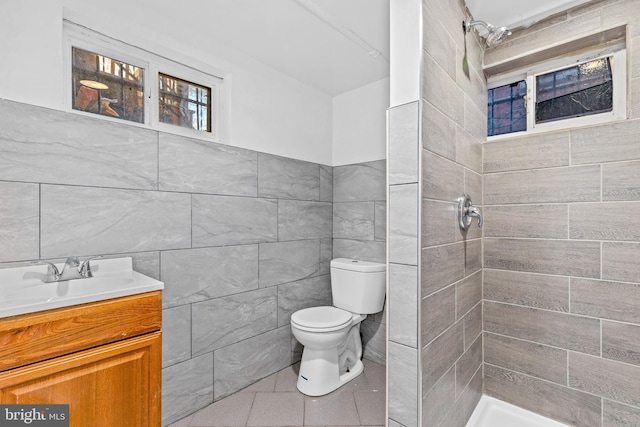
184 104
107 86
577 91
506 110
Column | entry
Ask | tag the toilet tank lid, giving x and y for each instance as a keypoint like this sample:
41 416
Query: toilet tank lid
357 265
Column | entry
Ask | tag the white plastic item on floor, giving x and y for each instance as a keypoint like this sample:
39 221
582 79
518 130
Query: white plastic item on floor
492 412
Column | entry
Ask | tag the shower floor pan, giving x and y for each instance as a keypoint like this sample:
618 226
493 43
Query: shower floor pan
492 412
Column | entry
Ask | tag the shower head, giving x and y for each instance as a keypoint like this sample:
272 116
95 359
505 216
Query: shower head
494 36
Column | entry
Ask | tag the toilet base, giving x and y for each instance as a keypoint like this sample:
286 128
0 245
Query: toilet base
319 373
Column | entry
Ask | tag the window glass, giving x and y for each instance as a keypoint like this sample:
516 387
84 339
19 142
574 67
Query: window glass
107 86
184 104
506 112
577 91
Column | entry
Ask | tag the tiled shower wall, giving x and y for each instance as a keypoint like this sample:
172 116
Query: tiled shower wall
241 239
435 270
562 250
453 129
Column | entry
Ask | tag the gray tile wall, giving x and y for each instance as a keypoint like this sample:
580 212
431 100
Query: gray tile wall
359 232
404 286
561 251
241 239
453 129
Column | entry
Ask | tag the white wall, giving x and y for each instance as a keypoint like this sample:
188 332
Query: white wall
406 50
269 112
359 124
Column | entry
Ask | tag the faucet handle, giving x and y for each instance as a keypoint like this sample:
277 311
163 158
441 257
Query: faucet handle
85 267
53 274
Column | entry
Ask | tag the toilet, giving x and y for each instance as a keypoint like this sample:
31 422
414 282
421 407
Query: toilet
331 334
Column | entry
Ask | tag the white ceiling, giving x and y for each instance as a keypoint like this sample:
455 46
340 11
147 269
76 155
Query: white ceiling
324 52
517 13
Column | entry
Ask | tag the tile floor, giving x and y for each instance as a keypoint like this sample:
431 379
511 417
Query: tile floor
275 402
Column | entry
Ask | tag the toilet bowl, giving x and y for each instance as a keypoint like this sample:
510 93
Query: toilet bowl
331 334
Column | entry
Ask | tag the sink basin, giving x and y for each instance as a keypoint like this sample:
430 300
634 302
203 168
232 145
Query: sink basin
22 289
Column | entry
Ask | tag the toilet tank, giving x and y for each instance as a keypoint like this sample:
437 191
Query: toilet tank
358 286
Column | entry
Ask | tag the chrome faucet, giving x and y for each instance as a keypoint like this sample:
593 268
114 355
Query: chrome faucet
72 269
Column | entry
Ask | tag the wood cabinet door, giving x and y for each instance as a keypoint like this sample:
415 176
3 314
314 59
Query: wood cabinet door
117 384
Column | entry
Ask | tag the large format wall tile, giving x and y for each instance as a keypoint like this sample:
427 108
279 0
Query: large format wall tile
440 224
360 182
241 364
403 384
614 380
197 166
295 296
551 400
440 399
604 221
283 262
442 179
403 307
440 90
541 361
79 220
438 132
224 321
621 181
528 289
557 185
440 355
19 221
199 274
468 365
403 144
441 266
620 261
176 335
468 293
284 178
48 146
326 183
528 221
364 250
304 220
227 220
607 143
621 341
618 415
545 327
438 313
403 224
529 152
604 299
570 258
187 387
354 220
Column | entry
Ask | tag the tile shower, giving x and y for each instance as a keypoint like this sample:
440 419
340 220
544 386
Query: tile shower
241 239
558 254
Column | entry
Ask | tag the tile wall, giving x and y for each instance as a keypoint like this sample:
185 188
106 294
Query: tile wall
562 250
241 239
359 231
453 129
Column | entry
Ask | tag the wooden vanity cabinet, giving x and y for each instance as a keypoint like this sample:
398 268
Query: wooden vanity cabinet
103 359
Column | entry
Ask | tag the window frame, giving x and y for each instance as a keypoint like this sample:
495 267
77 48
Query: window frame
619 79
86 39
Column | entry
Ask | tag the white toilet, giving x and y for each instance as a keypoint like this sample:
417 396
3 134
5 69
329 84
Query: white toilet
331 335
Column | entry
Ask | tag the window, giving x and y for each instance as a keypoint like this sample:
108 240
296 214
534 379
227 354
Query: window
120 82
558 94
107 86
507 111
184 104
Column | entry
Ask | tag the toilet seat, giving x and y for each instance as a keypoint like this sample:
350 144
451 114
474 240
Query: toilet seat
321 319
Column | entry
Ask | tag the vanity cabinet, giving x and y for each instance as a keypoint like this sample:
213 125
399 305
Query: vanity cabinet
102 358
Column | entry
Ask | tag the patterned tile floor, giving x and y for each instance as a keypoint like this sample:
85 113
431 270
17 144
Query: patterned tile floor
275 402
